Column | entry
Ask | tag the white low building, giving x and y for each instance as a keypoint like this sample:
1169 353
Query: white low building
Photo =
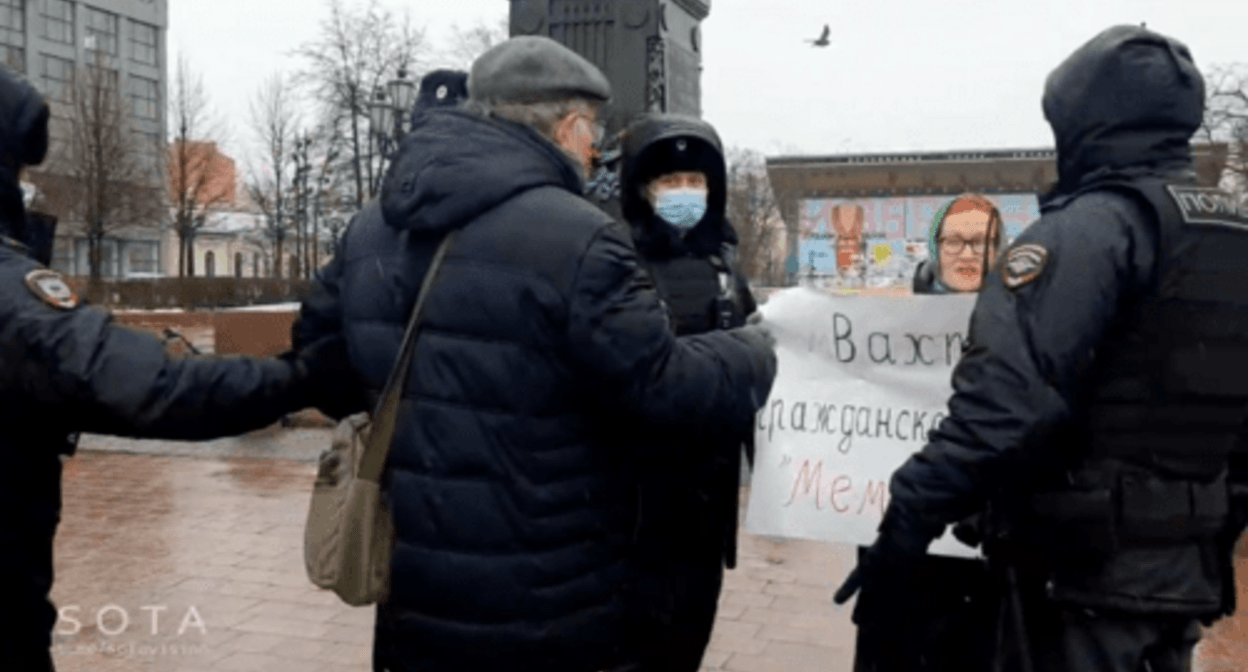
231 244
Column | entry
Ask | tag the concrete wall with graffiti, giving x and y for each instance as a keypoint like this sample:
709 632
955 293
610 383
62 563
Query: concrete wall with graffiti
878 242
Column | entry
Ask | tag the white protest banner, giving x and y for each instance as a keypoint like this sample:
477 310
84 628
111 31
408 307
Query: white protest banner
861 381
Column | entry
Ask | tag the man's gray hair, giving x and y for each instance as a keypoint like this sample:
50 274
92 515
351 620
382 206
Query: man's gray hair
542 116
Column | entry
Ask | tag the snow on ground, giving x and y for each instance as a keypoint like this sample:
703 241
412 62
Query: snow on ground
291 307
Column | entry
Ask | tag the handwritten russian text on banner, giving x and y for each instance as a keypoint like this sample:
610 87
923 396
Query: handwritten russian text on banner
861 381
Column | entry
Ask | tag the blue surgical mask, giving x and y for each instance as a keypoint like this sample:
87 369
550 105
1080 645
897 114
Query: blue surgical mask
682 208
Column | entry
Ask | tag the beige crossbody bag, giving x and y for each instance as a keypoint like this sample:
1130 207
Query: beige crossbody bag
349 532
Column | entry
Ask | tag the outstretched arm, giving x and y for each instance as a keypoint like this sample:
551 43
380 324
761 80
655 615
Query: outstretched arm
620 337
108 378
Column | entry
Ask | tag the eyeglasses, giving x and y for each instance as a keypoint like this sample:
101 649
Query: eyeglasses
956 246
595 128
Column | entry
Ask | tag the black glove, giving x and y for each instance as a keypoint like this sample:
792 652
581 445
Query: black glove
329 382
970 530
883 577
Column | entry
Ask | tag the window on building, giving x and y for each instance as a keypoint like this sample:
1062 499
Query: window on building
101 31
105 77
143 43
144 97
210 264
63 255
148 146
13 34
13 57
58 21
57 77
141 257
108 257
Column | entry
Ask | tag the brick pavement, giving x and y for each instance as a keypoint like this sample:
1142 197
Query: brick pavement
212 548
174 564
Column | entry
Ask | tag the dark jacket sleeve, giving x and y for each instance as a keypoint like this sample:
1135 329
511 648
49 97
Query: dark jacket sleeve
748 307
1028 353
107 378
620 337
748 304
320 316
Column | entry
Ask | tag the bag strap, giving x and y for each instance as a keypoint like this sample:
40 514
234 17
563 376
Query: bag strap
386 415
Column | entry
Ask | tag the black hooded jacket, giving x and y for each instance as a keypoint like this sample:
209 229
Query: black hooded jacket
1122 108
700 495
512 489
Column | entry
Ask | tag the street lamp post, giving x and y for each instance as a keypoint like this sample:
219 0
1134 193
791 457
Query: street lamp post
302 168
323 183
389 117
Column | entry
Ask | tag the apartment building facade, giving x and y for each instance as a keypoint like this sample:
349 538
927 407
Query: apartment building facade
49 42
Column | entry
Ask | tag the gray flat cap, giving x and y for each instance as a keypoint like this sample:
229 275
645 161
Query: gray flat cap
533 69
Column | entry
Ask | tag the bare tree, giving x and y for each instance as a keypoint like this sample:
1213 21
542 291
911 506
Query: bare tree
99 171
466 44
359 48
326 189
1226 120
196 187
273 120
754 211
317 186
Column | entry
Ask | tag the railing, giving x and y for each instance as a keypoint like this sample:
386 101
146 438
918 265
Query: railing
190 293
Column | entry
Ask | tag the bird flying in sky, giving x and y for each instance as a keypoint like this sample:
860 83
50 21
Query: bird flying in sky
823 39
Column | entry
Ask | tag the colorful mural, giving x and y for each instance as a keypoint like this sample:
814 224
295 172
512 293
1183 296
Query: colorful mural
878 242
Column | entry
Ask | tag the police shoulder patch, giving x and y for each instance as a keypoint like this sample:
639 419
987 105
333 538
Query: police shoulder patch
1023 264
51 288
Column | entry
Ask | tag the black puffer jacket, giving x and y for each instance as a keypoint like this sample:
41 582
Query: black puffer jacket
1122 108
512 490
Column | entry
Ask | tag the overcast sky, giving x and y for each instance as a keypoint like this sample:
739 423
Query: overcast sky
900 75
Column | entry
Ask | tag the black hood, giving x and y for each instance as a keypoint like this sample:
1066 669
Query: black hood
1129 98
23 142
648 151
457 164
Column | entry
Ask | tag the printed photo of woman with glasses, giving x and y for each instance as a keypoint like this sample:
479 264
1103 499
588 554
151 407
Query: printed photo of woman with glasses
963 242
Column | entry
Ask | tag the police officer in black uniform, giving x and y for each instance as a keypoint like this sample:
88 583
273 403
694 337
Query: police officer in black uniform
1097 401
66 368
673 190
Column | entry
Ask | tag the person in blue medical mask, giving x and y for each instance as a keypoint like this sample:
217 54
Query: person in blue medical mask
673 194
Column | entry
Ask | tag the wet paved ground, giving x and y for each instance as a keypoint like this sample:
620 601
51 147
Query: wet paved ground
212 548
181 564
167 563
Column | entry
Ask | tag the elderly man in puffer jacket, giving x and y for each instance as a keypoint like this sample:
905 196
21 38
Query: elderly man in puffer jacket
510 479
